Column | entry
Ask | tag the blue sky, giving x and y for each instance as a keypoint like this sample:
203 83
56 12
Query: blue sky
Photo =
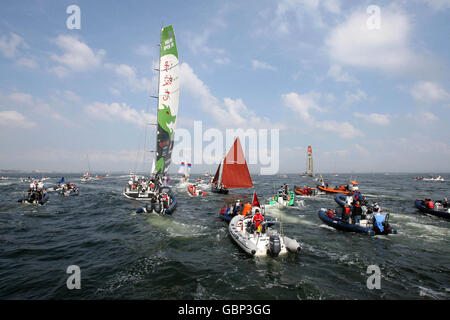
366 100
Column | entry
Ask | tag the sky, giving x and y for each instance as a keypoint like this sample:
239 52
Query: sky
367 87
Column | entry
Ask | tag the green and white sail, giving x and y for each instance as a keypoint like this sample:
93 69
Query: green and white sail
168 99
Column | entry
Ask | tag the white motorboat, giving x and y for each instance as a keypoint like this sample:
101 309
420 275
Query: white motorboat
265 242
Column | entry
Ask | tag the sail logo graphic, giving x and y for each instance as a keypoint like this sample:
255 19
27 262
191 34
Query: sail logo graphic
168 44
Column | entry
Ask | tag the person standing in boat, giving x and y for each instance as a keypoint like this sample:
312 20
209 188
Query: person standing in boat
376 207
356 214
345 213
285 191
237 208
257 220
247 209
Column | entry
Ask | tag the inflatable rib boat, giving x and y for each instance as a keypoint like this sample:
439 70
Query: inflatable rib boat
340 189
35 198
279 199
158 207
438 211
378 224
196 191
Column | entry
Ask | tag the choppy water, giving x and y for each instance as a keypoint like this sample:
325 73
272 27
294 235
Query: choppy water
189 255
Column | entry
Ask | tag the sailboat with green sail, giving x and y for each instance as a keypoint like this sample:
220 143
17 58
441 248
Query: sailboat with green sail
154 190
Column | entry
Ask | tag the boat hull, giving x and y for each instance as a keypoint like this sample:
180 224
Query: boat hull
169 210
340 225
253 244
438 213
299 191
334 191
141 196
41 201
341 199
217 190
277 199
192 192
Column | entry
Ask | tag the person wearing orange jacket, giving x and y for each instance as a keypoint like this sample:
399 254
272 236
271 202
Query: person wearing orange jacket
247 209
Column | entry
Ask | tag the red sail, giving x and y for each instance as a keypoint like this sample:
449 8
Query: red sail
216 176
235 172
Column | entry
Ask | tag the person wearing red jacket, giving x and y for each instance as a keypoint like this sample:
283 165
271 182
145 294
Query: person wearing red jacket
345 213
257 219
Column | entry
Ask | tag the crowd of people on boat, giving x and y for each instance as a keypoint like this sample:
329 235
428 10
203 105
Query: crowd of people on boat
69 187
356 209
246 210
437 205
141 184
36 191
305 191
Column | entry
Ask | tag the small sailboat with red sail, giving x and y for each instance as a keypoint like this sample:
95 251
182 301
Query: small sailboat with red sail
232 172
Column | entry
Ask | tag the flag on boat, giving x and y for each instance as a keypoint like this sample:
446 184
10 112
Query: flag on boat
187 171
255 201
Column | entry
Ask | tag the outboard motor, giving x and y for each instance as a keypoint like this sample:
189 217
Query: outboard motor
274 245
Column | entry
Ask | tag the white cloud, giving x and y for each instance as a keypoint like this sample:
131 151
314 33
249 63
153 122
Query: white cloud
262 65
230 112
438 4
423 117
429 92
355 97
333 6
20 99
14 119
146 50
335 72
200 43
222 61
77 55
33 105
134 82
293 14
304 104
388 48
27 62
115 91
118 111
377 118
9 45
71 95
343 129
60 71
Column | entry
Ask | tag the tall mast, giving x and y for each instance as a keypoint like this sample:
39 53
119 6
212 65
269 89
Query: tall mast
157 105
